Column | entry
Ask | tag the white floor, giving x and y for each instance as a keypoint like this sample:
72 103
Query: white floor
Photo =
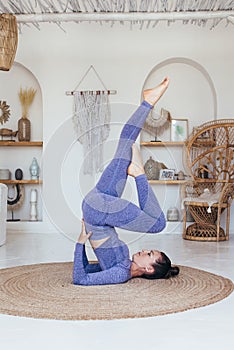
210 327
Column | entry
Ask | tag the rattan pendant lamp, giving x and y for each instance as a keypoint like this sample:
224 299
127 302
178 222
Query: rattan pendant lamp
8 40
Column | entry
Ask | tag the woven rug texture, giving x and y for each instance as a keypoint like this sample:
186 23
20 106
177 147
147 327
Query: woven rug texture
46 291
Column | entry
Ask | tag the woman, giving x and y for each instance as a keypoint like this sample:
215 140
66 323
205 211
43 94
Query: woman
103 210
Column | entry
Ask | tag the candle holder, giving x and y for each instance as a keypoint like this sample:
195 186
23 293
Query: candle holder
33 205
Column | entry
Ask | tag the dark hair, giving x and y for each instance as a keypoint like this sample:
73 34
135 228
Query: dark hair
162 269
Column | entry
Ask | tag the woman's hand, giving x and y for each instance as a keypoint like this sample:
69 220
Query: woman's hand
83 236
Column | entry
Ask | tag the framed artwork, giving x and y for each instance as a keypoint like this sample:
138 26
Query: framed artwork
166 174
179 130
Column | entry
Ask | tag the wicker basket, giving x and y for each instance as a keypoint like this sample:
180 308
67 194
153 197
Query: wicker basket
201 232
8 40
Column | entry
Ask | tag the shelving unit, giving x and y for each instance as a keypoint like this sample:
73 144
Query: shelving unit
167 192
27 182
164 144
161 143
21 144
168 182
21 182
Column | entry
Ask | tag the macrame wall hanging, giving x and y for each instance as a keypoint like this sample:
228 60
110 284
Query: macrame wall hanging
92 122
156 125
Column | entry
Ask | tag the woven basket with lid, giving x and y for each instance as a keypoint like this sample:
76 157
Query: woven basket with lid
8 40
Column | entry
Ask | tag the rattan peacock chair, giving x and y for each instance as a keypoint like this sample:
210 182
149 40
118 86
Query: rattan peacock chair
210 160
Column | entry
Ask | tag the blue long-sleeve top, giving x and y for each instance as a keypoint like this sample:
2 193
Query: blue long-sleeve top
114 268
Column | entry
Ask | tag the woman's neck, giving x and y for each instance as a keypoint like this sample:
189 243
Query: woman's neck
136 271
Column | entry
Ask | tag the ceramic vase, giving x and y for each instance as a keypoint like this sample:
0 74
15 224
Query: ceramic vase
24 129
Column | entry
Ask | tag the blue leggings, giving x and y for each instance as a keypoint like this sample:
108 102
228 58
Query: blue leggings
103 209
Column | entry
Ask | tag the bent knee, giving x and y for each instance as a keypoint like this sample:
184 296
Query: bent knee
159 225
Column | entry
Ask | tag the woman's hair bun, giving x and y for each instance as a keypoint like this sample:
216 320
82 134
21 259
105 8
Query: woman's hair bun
173 271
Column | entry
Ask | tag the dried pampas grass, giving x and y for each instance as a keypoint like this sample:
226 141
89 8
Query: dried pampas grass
26 97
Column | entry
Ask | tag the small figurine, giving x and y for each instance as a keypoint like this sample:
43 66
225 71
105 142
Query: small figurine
34 169
181 175
8 133
19 174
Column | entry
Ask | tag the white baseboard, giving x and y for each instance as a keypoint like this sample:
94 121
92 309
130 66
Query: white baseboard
30 227
172 227
45 227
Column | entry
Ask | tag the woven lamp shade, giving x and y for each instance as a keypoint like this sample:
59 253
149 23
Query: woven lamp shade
8 40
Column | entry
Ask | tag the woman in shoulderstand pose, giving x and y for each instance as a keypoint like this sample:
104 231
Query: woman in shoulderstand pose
103 210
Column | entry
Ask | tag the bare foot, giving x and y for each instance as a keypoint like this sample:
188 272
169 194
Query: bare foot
136 166
153 95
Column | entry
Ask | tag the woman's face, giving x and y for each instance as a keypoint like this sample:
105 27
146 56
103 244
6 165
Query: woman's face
146 258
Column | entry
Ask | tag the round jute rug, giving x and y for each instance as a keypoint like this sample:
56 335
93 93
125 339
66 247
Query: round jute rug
46 291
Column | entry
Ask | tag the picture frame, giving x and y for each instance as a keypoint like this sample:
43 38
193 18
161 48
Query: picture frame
166 174
179 130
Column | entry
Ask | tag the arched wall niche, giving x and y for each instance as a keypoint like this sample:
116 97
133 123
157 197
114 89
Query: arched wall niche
13 158
11 82
191 94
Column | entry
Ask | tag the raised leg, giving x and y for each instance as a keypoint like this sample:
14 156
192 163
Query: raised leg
124 214
114 177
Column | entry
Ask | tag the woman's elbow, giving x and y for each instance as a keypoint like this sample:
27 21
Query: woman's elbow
76 281
79 282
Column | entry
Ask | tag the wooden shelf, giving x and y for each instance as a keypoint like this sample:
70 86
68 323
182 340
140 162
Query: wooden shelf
161 143
21 144
169 182
214 180
21 182
23 221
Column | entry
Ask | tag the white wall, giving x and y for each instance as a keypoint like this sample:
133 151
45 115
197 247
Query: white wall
123 58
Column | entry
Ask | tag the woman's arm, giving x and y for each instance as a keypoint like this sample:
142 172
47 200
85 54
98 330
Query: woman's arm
91 274
89 268
114 275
